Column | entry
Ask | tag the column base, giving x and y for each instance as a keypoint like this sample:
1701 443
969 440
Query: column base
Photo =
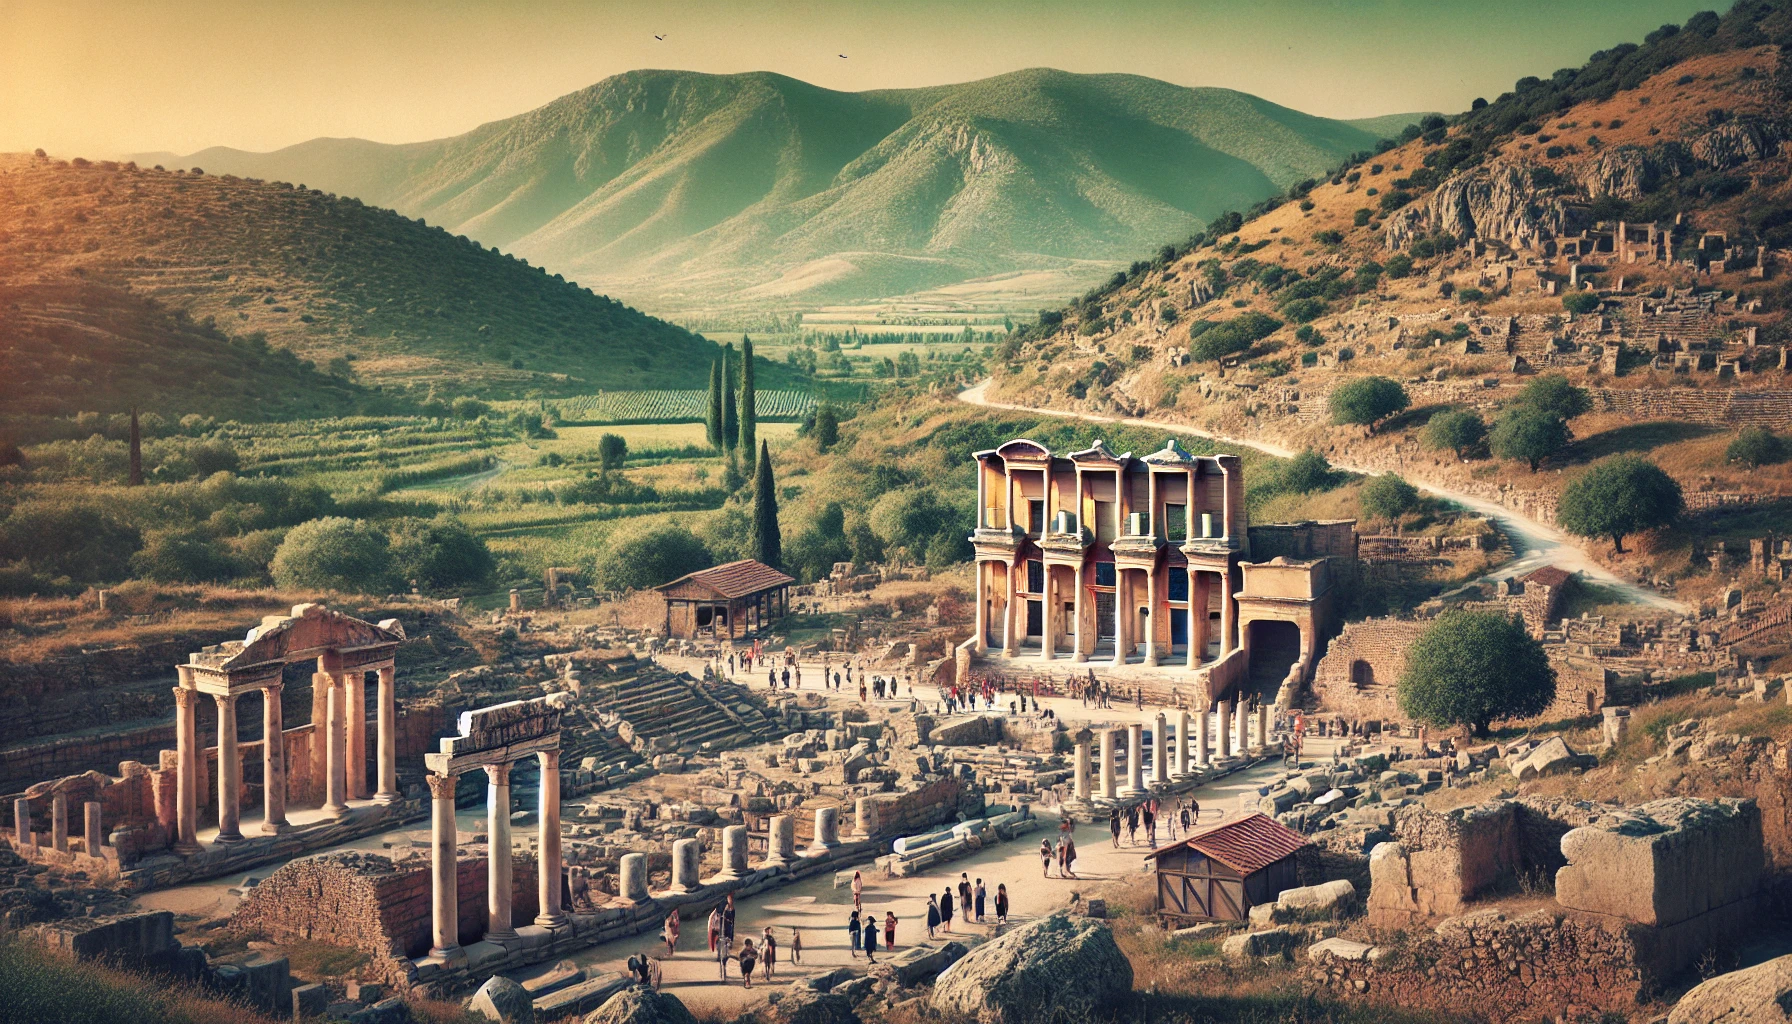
550 920
228 838
336 810
387 798
447 953
188 849
504 936
274 828
1151 659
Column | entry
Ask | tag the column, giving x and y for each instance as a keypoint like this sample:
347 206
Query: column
355 692
1120 604
92 831
498 858
273 761
1151 604
633 877
1082 764
1197 613
827 830
1241 721
186 740
1201 734
734 852
1228 615
1010 642
335 776
1160 756
444 870
1135 758
982 645
780 850
687 858
865 816
1076 628
388 736
1263 725
1181 759
1047 617
21 822
1223 729
230 772
549 864
1108 791
59 822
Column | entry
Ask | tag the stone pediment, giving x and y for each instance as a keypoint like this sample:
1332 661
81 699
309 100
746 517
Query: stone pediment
309 631
1099 452
1171 454
1023 450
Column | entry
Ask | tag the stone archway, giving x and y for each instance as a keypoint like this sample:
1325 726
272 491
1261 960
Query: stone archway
1275 646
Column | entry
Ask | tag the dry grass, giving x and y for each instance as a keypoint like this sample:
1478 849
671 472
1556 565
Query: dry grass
38 986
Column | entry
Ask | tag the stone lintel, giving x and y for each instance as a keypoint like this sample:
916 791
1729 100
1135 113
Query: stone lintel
454 764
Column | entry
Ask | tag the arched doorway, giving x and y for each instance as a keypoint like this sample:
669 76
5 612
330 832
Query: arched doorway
1275 647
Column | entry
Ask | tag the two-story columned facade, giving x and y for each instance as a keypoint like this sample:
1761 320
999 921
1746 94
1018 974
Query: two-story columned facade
1093 556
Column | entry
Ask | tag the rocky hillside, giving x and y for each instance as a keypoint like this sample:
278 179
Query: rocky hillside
677 188
363 292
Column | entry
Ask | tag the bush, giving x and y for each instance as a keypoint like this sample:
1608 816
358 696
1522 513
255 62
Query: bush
1388 497
1617 497
348 555
1361 217
911 518
1217 341
183 556
1458 431
1551 393
1528 435
1301 311
441 553
76 539
1398 266
1755 446
648 555
465 408
1391 201
827 428
1580 302
1306 473
1470 668
612 451
1366 401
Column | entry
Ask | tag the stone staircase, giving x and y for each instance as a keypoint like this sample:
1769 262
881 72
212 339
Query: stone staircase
664 712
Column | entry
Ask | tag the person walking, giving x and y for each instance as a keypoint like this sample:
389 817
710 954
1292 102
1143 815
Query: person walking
964 896
889 929
1059 854
871 938
728 923
1114 825
715 927
858 891
933 914
1151 826
721 952
1070 856
769 950
1132 825
1185 820
946 911
1196 806
749 959
671 933
1001 904
853 929
796 946
980 893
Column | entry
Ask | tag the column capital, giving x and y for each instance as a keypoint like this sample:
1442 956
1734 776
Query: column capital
498 774
550 759
184 698
225 700
274 688
441 787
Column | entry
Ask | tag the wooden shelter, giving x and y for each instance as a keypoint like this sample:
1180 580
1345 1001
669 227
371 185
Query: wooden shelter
1220 873
727 600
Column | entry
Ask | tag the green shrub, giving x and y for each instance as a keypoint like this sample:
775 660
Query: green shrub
1388 496
1755 446
612 451
1365 401
1580 302
62 537
441 553
647 554
1232 336
1305 473
1458 431
1527 434
184 556
347 555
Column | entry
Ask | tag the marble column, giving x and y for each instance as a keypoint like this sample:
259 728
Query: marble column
186 739
273 761
780 848
1160 751
498 861
633 882
1135 759
1108 737
1048 618
1223 729
1180 762
230 772
354 688
549 863
865 816
734 852
1082 764
59 822
982 644
1201 747
91 830
1197 617
1151 602
1263 725
1120 617
21 822
335 777
1242 720
444 868
827 829
1079 654
687 861
388 736
1228 615
1010 642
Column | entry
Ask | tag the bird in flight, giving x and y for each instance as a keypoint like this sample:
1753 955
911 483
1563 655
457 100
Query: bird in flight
660 38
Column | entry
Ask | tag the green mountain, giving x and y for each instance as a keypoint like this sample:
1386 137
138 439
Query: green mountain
682 189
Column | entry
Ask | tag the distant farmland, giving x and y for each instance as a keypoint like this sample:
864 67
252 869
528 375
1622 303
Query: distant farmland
617 407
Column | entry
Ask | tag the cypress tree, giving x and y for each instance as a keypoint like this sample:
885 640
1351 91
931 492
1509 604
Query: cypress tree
713 419
748 406
730 413
768 546
136 451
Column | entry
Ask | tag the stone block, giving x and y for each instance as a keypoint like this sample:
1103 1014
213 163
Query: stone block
1665 861
1324 902
1342 949
309 1001
1268 942
504 1001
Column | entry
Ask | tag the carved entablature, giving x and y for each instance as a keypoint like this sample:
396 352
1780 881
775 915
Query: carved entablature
1024 451
343 643
501 734
1099 454
1171 454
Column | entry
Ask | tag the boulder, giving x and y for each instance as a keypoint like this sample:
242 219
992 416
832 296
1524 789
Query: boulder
1341 949
1056 966
1761 994
804 1005
1552 757
505 1001
637 1005
1665 861
1324 902
1250 945
919 963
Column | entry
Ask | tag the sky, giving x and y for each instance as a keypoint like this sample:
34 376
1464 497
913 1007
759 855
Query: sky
105 78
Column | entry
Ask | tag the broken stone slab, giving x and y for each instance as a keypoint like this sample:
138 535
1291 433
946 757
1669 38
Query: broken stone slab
504 1001
1326 901
1341 949
1665 861
1552 757
1206 930
1266 942
556 977
1761 994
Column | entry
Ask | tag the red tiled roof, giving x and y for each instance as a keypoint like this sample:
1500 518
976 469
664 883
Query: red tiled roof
1549 576
736 579
1249 844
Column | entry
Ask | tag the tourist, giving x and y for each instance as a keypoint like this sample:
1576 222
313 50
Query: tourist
889 929
715 927
749 959
871 939
771 679
722 959
796 946
1062 868
1070 855
770 947
787 679
861 691
1001 904
728 922
1150 826
1196 806
671 933
1114 825
946 911
853 928
858 890
1045 858
1185 819
637 972
964 895
933 914
980 893
1132 825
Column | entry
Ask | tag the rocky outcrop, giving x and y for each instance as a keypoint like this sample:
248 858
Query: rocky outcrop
1056 965
1734 143
804 1005
1664 862
1500 202
636 1005
1761 994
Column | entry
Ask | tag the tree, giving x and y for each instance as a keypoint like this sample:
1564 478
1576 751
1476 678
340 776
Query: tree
749 404
910 518
182 556
1305 473
612 451
713 418
1551 393
1619 496
1366 401
1457 431
811 554
768 545
87 542
648 554
730 417
1470 668
1528 434
827 428
441 553
1388 496
333 553
1580 302
1755 446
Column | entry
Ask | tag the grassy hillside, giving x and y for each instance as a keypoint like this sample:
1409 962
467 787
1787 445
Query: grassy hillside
677 187
363 292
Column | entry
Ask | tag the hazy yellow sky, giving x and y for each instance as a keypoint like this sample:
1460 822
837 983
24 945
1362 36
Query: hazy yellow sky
95 78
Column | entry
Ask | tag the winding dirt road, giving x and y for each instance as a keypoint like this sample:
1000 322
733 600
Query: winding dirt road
1535 544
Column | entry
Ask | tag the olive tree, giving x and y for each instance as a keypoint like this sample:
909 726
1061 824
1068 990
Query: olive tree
1458 430
333 553
1367 401
1619 496
1471 668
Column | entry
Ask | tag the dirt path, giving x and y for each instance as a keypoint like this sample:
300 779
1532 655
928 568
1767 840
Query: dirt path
1535 544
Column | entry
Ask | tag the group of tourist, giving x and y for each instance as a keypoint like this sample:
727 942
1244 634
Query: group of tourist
1064 853
1149 813
967 900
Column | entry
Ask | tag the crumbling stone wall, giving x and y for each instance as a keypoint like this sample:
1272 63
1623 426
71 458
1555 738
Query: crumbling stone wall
920 810
1342 687
1719 406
